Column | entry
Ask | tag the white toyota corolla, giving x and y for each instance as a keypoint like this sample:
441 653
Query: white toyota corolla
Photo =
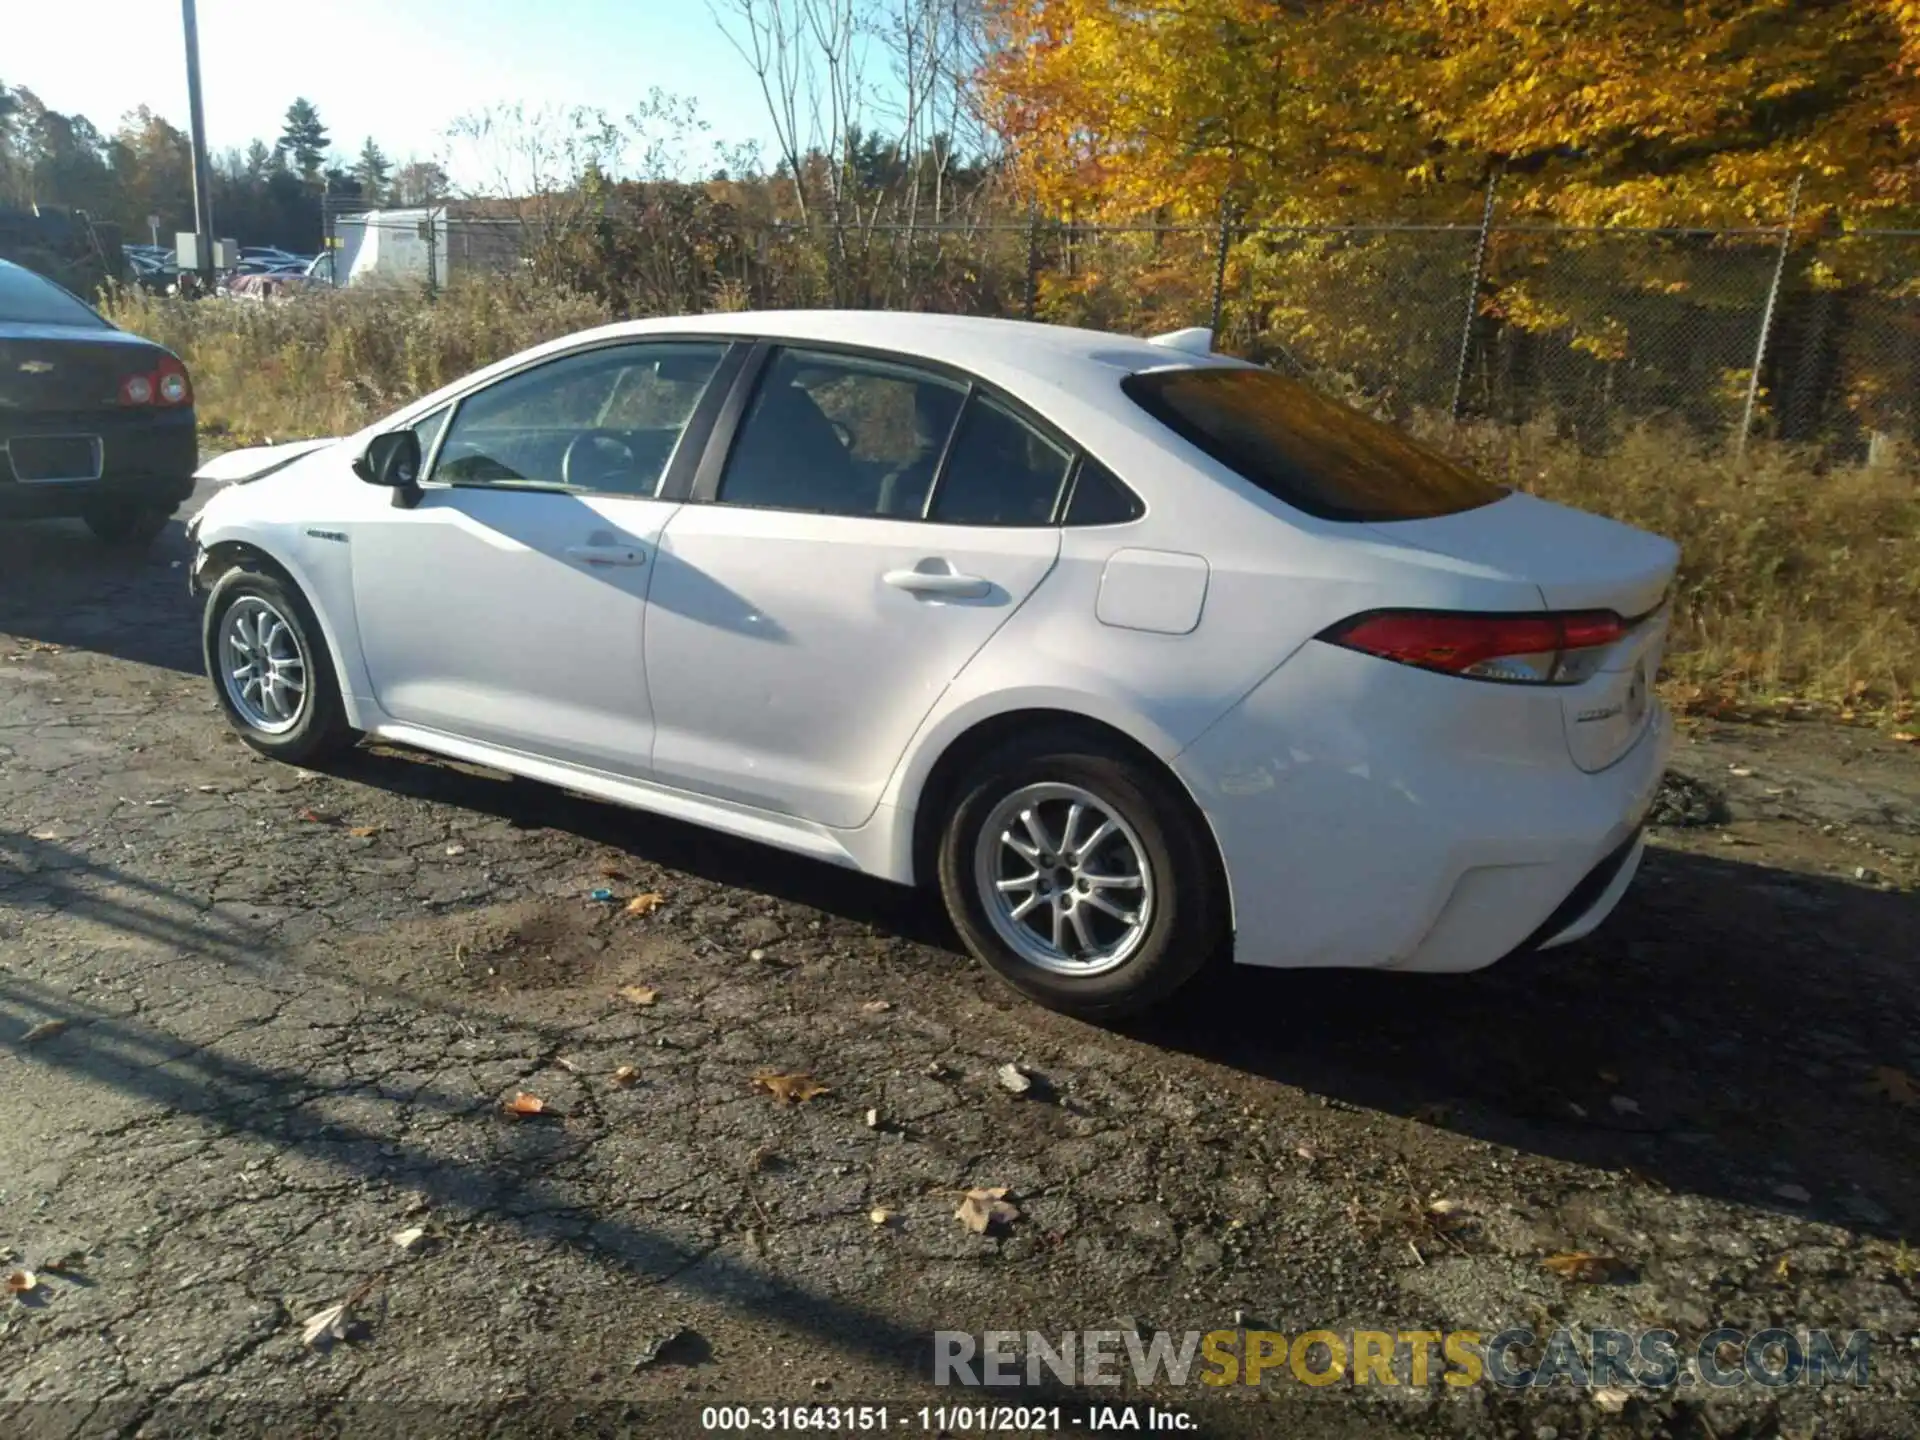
1139 653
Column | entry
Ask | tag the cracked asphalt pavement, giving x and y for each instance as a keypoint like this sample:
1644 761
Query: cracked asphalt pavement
255 1022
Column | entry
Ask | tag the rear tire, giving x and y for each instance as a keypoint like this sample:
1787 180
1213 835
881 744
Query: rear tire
1066 824
125 524
287 703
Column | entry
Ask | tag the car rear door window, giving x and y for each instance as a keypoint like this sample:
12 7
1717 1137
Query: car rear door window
1299 446
30 299
1001 470
835 434
606 420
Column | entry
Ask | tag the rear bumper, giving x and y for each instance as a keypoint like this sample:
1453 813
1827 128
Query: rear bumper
1370 816
146 460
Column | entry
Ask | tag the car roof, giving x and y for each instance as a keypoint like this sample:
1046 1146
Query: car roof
1012 352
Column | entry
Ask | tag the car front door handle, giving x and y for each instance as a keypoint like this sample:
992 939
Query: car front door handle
607 554
945 584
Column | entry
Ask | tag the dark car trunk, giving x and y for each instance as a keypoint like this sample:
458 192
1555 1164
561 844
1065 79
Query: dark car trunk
65 370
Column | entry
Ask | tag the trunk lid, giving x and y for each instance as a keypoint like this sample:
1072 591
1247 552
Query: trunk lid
67 370
1576 561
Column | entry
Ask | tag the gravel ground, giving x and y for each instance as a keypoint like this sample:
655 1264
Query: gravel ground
255 1022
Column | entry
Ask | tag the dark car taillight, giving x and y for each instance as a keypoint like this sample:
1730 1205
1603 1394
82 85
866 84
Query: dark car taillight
1550 649
166 386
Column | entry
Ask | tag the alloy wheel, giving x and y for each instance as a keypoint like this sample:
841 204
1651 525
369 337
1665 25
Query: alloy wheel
1064 880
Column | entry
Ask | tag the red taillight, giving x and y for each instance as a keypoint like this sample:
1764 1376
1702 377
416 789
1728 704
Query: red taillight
167 385
1524 649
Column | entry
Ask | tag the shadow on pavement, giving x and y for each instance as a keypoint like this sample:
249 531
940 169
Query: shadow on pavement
1717 1037
60 586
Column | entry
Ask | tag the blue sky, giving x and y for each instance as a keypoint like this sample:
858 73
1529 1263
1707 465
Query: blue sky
399 70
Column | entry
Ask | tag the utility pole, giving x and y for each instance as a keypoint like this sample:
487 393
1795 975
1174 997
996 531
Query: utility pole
202 192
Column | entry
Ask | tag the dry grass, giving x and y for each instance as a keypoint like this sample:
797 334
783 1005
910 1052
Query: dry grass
1800 580
329 362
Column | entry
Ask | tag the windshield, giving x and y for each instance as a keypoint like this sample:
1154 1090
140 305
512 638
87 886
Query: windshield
27 299
1301 447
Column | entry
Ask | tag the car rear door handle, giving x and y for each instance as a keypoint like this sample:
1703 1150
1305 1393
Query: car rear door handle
607 554
947 584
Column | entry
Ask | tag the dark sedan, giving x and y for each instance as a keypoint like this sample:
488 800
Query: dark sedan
95 424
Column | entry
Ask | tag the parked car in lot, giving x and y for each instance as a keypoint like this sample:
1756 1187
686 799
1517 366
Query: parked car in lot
1137 652
94 422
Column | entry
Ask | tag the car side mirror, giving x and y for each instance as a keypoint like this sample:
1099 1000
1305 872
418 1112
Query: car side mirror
393 460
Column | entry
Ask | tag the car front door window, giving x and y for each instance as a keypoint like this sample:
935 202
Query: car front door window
605 421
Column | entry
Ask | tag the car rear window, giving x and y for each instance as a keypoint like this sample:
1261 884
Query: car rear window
27 299
1301 447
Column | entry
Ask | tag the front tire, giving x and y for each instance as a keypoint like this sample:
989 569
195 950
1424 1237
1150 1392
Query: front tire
126 524
270 669
1081 876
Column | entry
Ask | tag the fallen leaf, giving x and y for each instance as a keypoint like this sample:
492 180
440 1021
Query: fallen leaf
1014 1079
42 835
416 1204
612 872
1581 1265
362 832
880 1215
312 817
638 994
1783 1267
626 1075
1443 1207
45 1030
572 1067
1895 1084
207 789
875 1007
1611 1399
408 1238
525 1104
645 904
22 1282
1743 771
1906 737
456 849
1305 1152
326 1326
984 1208
790 1089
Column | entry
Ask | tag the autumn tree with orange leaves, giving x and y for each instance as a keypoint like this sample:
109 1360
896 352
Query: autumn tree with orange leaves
1594 111
1591 113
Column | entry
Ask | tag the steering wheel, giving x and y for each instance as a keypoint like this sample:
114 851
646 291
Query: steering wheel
605 443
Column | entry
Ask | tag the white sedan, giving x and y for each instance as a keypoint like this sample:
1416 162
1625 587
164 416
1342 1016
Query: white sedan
1141 654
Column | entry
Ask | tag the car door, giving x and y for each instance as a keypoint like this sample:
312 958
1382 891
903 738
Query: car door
869 528
507 605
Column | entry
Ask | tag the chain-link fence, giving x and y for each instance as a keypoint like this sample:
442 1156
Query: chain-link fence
1589 329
